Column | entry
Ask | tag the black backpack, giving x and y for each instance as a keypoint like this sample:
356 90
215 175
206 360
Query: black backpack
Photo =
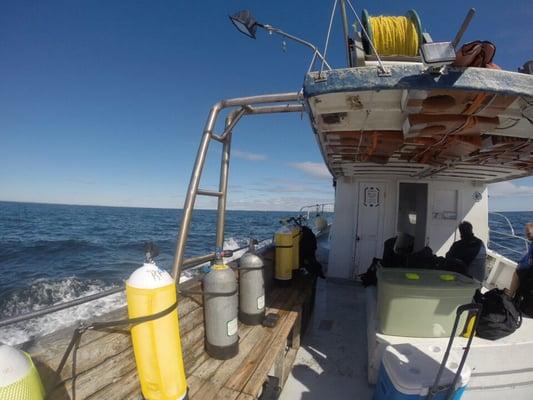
499 317
369 278
524 294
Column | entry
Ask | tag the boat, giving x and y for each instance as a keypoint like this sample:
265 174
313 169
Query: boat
411 141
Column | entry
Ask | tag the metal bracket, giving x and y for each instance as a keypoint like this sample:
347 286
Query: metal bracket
383 71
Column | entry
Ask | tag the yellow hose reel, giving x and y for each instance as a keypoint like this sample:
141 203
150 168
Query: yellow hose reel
392 35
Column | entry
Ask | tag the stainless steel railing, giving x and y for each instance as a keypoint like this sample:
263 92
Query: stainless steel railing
318 208
265 104
512 235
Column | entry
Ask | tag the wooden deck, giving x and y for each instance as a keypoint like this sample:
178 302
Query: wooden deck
105 367
265 354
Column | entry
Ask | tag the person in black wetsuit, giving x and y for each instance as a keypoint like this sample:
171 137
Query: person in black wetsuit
308 248
468 255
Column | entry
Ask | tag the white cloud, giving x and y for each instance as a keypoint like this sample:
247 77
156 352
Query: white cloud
281 203
292 187
246 155
509 189
316 170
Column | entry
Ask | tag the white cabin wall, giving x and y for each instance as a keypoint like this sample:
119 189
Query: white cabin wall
342 234
443 232
440 232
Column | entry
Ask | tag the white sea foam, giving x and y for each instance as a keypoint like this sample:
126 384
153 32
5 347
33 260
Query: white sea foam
43 293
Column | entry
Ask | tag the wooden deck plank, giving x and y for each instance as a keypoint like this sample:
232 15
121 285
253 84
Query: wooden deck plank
255 382
194 384
227 394
287 364
208 368
94 379
245 346
208 391
241 376
194 356
119 388
244 396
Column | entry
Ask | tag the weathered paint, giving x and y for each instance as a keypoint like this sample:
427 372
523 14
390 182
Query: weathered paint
413 76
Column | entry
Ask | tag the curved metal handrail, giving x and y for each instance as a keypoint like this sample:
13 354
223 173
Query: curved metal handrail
505 247
318 207
187 264
513 233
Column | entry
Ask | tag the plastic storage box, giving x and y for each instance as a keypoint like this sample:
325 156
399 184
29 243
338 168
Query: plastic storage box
421 302
407 372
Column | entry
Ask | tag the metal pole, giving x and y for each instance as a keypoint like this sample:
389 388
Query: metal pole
265 98
464 27
59 307
297 39
223 184
346 33
235 117
191 192
202 152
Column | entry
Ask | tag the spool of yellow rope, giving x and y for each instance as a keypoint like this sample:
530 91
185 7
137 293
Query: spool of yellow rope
394 36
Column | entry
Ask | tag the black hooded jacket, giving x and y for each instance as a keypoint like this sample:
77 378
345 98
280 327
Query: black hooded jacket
465 249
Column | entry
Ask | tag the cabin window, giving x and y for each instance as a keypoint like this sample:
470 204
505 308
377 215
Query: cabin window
412 211
445 204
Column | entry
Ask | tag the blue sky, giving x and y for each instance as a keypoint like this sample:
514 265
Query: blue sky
103 102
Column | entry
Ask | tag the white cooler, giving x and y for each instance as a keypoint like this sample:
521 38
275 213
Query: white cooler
407 372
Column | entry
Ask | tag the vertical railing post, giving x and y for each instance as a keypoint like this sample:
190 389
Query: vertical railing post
192 191
223 185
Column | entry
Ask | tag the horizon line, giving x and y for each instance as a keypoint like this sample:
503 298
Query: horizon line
174 208
142 207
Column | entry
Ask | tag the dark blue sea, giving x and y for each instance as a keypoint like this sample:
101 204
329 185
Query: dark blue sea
55 253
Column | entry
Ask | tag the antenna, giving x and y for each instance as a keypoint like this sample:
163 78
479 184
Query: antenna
463 27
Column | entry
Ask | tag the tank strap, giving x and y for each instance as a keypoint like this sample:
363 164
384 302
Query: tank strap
203 292
284 247
82 328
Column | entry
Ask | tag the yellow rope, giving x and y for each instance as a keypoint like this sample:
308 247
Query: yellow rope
394 36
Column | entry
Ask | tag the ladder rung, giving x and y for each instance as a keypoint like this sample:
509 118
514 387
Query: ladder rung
209 193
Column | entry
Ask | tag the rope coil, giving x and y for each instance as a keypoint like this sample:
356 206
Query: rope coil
393 35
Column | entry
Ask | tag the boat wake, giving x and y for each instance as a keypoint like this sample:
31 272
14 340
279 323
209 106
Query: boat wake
46 292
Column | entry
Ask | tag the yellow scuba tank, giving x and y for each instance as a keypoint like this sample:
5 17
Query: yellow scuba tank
156 343
19 379
284 258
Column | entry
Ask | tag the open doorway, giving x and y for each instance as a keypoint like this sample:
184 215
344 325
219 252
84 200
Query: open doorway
412 211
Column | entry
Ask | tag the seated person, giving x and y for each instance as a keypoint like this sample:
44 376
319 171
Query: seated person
308 246
468 255
396 249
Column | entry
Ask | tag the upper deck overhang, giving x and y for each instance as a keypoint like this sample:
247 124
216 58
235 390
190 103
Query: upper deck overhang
472 124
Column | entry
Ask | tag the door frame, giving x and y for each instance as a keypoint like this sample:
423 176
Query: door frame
426 239
381 230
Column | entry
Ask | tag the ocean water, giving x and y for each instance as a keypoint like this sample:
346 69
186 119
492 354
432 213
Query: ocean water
54 253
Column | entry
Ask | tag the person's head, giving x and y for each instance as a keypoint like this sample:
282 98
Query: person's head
466 230
404 243
529 231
